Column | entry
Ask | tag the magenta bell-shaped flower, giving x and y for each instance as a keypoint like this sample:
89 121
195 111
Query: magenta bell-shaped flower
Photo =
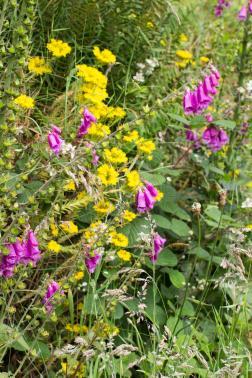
92 260
215 138
203 99
87 120
250 7
31 253
213 80
146 198
207 86
10 261
158 244
243 14
54 140
47 300
187 102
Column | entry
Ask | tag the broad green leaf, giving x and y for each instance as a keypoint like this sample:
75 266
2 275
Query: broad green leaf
198 122
173 208
156 314
187 309
177 278
167 258
133 229
12 338
170 196
213 212
118 312
154 179
200 252
226 124
161 221
179 227
179 118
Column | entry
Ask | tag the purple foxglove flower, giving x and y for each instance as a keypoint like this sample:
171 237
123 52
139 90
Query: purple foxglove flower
153 191
187 102
216 73
158 244
203 99
47 300
92 261
250 7
243 14
140 202
207 86
191 136
244 128
215 138
214 81
209 118
218 10
149 199
87 120
9 262
54 140
31 251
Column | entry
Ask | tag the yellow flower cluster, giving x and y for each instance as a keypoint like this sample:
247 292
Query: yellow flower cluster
76 328
78 275
107 175
185 56
53 246
69 227
118 239
58 48
105 56
25 102
104 207
104 330
128 216
133 180
115 156
124 255
38 66
70 186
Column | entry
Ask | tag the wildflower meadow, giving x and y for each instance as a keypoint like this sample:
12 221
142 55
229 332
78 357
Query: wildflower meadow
126 188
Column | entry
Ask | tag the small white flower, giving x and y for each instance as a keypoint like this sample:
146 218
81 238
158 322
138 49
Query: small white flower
139 76
249 86
247 203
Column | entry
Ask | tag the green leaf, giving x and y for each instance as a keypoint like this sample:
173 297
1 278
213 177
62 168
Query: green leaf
167 258
198 122
170 197
133 229
177 278
187 309
12 338
226 124
118 312
173 208
154 179
179 227
200 252
161 221
179 118
213 212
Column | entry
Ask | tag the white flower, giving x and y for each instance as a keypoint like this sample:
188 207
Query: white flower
247 203
249 86
139 76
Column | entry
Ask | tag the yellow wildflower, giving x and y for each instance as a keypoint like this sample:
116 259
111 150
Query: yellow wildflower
104 207
183 38
204 59
70 186
69 227
25 102
78 276
150 25
92 75
115 112
98 130
94 93
133 179
163 42
131 137
38 65
249 226
124 255
159 196
83 198
54 246
128 215
119 240
146 146
115 155
99 110
54 229
107 175
105 56
76 328
58 48
182 64
184 54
